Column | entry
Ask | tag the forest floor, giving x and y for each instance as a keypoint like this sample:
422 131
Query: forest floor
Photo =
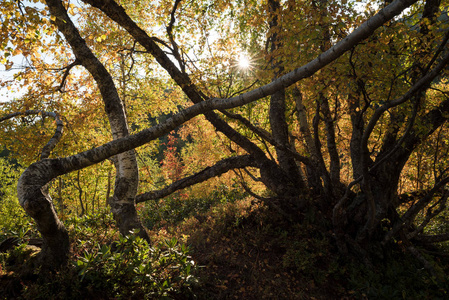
244 251
246 256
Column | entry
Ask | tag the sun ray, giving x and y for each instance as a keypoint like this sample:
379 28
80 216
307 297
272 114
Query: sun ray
244 62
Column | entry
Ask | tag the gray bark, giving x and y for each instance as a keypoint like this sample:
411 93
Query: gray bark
126 184
218 169
30 186
56 239
279 126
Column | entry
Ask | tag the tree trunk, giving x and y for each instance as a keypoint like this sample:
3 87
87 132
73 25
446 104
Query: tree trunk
127 176
37 203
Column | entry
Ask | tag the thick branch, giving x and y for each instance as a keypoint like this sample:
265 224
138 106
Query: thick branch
334 168
437 238
86 58
421 84
218 169
118 14
122 204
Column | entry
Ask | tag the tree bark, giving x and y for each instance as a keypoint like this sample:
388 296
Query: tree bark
39 205
123 201
278 121
33 197
219 168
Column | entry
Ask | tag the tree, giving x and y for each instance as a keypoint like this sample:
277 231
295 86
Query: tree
368 89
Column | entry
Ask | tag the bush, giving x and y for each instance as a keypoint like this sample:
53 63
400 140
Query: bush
135 269
174 209
13 220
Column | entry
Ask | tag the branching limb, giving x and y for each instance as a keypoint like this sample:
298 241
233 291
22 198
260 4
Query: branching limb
218 169
51 144
175 49
257 130
246 187
254 178
77 62
304 124
398 146
334 168
56 136
421 84
270 202
317 146
118 14
265 135
430 214
410 214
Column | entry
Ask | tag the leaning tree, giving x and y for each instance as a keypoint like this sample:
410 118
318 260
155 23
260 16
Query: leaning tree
334 109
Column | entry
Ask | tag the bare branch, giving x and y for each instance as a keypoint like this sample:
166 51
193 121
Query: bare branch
46 150
218 169
77 62
265 135
385 157
421 84
172 17
175 50
414 209
270 202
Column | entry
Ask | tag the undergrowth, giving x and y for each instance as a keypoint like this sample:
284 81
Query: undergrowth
102 265
237 249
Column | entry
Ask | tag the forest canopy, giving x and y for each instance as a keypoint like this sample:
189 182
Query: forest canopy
336 109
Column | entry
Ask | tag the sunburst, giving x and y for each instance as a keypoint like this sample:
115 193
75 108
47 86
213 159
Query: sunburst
244 62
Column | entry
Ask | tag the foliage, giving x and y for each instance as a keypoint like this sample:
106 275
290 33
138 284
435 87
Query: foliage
102 268
338 126
242 248
14 221
136 270
172 210
394 277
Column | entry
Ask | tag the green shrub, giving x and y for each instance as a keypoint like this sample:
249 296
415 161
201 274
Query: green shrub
13 219
135 269
174 209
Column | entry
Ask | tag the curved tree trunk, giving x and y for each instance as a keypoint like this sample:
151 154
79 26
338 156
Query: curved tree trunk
123 201
277 177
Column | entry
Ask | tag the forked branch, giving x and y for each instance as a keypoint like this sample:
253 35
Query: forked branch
51 144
